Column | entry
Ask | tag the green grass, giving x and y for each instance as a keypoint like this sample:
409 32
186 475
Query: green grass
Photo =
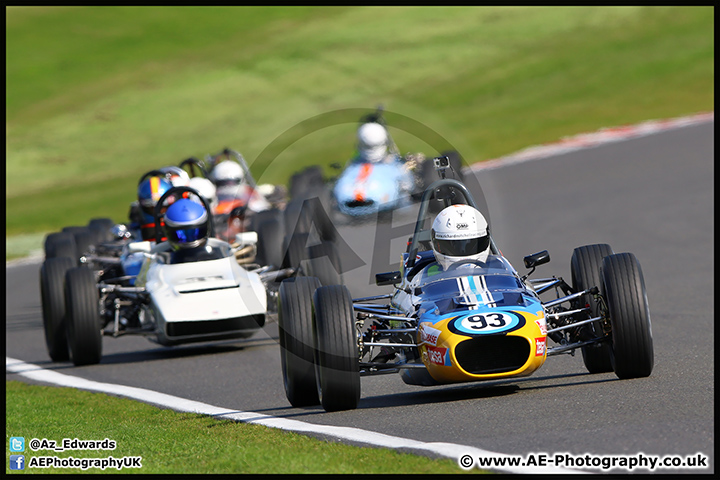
183 443
96 96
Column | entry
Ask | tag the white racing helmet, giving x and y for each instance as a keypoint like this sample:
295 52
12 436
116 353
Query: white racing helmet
205 188
227 172
177 176
460 232
372 141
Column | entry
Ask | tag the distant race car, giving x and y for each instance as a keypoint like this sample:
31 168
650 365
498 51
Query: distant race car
245 206
376 180
173 299
473 321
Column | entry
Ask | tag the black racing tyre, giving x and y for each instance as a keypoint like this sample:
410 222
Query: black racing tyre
586 271
323 215
82 319
52 295
632 343
270 237
324 263
84 241
296 217
102 228
73 228
296 340
337 364
60 244
294 250
256 218
304 182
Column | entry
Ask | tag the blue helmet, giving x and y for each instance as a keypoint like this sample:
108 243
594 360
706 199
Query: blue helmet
149 192
186 223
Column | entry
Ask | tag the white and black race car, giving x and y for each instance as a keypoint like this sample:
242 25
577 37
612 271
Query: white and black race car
173 299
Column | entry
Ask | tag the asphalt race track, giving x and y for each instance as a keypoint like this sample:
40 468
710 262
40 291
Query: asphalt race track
652 196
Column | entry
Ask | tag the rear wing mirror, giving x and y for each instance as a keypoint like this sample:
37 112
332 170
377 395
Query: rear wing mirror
532 261
387 278
540 258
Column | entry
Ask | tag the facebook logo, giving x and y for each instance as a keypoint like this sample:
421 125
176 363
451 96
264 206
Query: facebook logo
17 444
17 462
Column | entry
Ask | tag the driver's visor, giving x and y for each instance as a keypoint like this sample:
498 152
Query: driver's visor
461 247
188 235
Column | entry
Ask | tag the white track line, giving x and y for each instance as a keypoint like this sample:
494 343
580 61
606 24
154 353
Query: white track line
449 450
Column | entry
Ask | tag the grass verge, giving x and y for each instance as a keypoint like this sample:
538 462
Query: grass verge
181 443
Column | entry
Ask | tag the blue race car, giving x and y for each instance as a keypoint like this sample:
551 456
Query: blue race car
365 188
377 179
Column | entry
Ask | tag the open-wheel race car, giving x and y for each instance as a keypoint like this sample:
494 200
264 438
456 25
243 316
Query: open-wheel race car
376 180
239 204
180 295
466 321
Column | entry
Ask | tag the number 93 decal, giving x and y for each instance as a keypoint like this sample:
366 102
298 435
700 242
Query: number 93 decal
486 323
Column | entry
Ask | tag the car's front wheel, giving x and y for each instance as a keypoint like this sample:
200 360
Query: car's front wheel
632 343
337 363
52 295
83 321
296 340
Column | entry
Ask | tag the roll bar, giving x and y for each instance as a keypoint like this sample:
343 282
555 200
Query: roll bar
424 205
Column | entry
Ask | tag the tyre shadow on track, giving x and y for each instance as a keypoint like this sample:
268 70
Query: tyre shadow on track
448 394
184 351
168 353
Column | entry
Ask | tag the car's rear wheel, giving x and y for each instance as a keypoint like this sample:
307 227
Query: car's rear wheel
294 250
102 229
296 340
632 343
586 270
336 350
84 239
302 184
83 321
60 244
295 217
324 263
270 236
52 295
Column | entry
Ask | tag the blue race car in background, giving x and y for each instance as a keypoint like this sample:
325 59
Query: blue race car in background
365 188
376 180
